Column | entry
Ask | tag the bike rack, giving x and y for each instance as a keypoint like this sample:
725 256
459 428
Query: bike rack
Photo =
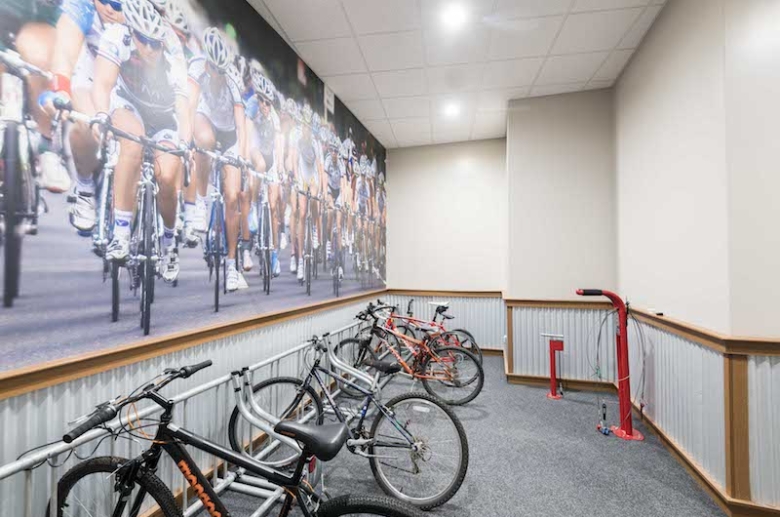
626 429
556 345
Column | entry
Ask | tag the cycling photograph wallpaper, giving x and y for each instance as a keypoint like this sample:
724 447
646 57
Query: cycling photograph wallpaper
170 165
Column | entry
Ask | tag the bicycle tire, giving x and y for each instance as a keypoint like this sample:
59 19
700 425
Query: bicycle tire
352 352
475 381
425 503
11 199
463 338
345 505
267 271
108 465
234 431
114 290
307 259
216 250
147 293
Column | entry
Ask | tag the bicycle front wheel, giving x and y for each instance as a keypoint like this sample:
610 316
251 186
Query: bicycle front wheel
147 292
452 374
12 193
419 452
87 489
355 505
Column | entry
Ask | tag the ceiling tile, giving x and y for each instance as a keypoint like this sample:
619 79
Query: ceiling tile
513 73
370 16
446 136
640 28
507 9
588 32
496 100
398 50
332 56
457 78
403 107
489 125
352 87
400 83
464 102
614 64
323 19
445 48
412 131
555 89
571 69
598 84
371 109
477 11
602 5
382 131
525 37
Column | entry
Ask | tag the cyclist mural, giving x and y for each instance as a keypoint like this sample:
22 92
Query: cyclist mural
172 162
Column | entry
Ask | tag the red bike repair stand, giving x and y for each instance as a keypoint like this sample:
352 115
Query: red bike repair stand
556 345
626 429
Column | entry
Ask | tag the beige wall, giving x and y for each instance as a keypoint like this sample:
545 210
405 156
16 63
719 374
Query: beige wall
447 216
560 163
753 153
672 187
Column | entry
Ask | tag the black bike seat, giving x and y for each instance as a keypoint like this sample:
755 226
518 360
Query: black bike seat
388 367
448 316
324 441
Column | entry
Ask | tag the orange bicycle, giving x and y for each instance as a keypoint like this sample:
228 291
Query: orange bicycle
453 374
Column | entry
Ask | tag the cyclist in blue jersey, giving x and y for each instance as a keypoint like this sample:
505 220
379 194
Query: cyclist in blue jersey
218 114
139 84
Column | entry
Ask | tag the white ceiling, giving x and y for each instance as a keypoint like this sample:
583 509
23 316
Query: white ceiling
396 66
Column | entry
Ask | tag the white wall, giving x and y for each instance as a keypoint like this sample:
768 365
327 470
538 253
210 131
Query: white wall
753 154
672 188
560 162
446 221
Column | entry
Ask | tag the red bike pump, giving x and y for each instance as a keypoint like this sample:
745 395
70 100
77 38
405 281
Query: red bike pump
626 429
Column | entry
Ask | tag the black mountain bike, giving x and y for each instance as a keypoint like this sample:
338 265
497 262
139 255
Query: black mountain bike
416 445
20 195
121 486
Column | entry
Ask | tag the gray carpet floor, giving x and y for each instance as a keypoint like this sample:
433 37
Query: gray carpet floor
530 456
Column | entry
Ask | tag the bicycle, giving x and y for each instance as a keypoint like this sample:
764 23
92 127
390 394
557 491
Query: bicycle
145 246
126 483
411 433
308 239
337 268
262 241
452 374
20 196
215 244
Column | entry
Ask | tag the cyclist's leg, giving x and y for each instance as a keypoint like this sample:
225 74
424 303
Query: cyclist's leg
84 151
168 171
204 136
232 185
315 215
126 176
246 198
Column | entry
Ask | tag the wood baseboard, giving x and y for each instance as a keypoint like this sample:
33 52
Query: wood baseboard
492 352
566 384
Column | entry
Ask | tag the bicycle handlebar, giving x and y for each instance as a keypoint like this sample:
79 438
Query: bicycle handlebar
15 62
109 410
590 292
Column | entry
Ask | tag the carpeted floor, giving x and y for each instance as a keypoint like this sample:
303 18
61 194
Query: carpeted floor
530 456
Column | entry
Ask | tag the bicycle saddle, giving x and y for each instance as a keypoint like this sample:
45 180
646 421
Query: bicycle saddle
388 367
324 441
447 316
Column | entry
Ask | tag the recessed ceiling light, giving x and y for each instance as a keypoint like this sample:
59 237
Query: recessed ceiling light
452 109
454 16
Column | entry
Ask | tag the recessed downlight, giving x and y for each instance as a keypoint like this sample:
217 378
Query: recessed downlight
454 16
452 109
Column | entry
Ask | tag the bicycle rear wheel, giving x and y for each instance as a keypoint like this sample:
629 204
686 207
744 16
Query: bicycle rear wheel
353 352
87 489
12 193
464 338
114 290
429 471
356 505
286 399
216 249
452 374
266 249
147 286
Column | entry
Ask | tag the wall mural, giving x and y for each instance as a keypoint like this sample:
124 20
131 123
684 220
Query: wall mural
168 165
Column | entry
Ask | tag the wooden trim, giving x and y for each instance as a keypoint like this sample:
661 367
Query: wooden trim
460 294
24 380
492 352
566 384
737 445
509 357
558 304
722 343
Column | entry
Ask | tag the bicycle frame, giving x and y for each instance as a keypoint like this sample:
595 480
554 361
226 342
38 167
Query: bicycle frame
171 439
